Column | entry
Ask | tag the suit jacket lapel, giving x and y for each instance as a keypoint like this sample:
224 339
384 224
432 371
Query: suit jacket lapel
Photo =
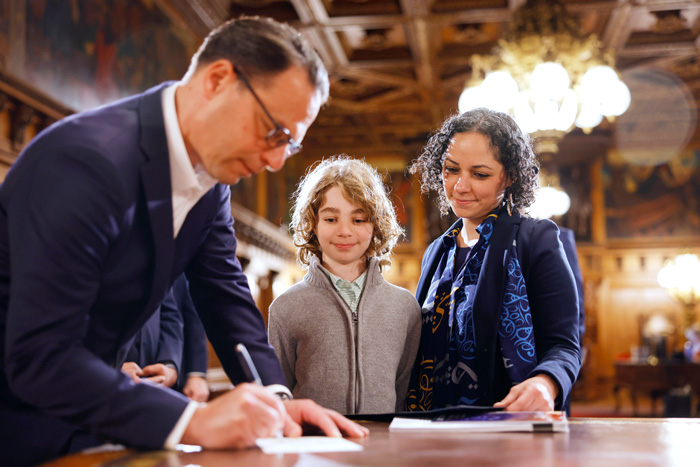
489 297
491 280
437 249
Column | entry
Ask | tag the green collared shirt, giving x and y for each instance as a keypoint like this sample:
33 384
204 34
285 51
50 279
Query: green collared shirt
350 291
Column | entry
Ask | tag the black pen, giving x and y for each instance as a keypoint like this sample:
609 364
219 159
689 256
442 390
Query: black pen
251 373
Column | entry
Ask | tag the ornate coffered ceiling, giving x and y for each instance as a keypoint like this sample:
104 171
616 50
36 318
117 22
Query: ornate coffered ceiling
398 66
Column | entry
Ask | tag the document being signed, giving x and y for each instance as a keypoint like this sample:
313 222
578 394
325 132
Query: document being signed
305 444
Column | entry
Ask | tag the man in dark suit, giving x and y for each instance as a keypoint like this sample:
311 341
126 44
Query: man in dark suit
171 348
158 347
105 209
195 355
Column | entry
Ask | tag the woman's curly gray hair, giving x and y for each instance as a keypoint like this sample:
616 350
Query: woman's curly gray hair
512 147
360 183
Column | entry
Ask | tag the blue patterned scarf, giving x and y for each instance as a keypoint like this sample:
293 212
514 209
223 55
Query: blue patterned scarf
445 373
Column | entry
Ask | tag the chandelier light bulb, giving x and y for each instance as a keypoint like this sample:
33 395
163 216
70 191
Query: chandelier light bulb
567 111
688 271
589 116
550 202
597 79
615 100
546 113
470 99
549 80
681 277
523 113
666 276
560 202
501 89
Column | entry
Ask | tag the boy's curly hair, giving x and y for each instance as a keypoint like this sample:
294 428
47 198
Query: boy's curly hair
512 147
360 183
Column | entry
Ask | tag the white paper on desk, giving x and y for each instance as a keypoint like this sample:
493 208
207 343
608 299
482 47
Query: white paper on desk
306 444
107 447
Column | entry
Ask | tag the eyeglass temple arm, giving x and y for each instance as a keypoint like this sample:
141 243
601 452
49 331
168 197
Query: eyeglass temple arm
242 77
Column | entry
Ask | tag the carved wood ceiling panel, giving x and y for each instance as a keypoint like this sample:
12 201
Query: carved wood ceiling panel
398 66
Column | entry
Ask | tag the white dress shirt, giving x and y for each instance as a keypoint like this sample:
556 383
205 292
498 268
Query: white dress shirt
188 184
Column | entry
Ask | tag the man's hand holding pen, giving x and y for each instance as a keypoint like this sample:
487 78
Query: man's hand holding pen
249 411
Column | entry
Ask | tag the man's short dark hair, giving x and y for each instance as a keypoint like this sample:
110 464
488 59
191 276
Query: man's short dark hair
262 47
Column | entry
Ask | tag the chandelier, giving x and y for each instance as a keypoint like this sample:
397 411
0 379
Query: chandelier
547 75
551 199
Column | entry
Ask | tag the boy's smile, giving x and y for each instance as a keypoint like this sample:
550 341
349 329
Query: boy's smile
344 233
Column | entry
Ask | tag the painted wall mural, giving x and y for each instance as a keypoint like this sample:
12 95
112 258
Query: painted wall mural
87 53
653 201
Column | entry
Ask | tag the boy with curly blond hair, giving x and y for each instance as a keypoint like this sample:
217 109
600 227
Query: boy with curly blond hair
346 338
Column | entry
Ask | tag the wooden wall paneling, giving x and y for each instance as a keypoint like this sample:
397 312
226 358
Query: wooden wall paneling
625 294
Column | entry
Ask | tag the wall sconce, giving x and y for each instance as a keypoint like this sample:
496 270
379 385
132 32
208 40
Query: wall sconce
681 279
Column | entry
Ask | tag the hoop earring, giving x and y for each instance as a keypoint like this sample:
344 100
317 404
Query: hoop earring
510 204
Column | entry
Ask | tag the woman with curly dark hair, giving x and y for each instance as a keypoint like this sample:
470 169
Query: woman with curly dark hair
498 298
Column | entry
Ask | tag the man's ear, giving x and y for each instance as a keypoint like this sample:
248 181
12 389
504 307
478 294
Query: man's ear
217 76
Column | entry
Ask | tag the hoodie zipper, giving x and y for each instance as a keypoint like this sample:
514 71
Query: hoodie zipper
357 361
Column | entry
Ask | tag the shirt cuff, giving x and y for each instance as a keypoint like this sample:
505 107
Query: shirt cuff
197 373
281 390
178 430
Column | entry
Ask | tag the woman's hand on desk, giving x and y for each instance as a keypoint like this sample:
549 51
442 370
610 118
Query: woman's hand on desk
536 393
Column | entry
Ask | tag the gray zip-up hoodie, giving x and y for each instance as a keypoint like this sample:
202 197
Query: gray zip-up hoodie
360 366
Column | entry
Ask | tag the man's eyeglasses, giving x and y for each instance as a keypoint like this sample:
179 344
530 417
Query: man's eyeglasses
279 135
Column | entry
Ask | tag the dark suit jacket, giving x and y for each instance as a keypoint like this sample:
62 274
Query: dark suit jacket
161 338
86 256
551 293
195 355
568 240
173 334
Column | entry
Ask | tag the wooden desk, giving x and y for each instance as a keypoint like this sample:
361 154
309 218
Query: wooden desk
654 380
591 442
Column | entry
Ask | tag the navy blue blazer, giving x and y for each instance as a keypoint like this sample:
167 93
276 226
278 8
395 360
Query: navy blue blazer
173 334
195 355
568 240
161 338
86 256
551 293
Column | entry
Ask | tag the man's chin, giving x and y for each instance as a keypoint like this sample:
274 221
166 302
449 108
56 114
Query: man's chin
232 179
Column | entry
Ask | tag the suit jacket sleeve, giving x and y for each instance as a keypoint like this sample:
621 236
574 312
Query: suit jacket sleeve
569 241
553 301
171 335
222 298
63 213
195 353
